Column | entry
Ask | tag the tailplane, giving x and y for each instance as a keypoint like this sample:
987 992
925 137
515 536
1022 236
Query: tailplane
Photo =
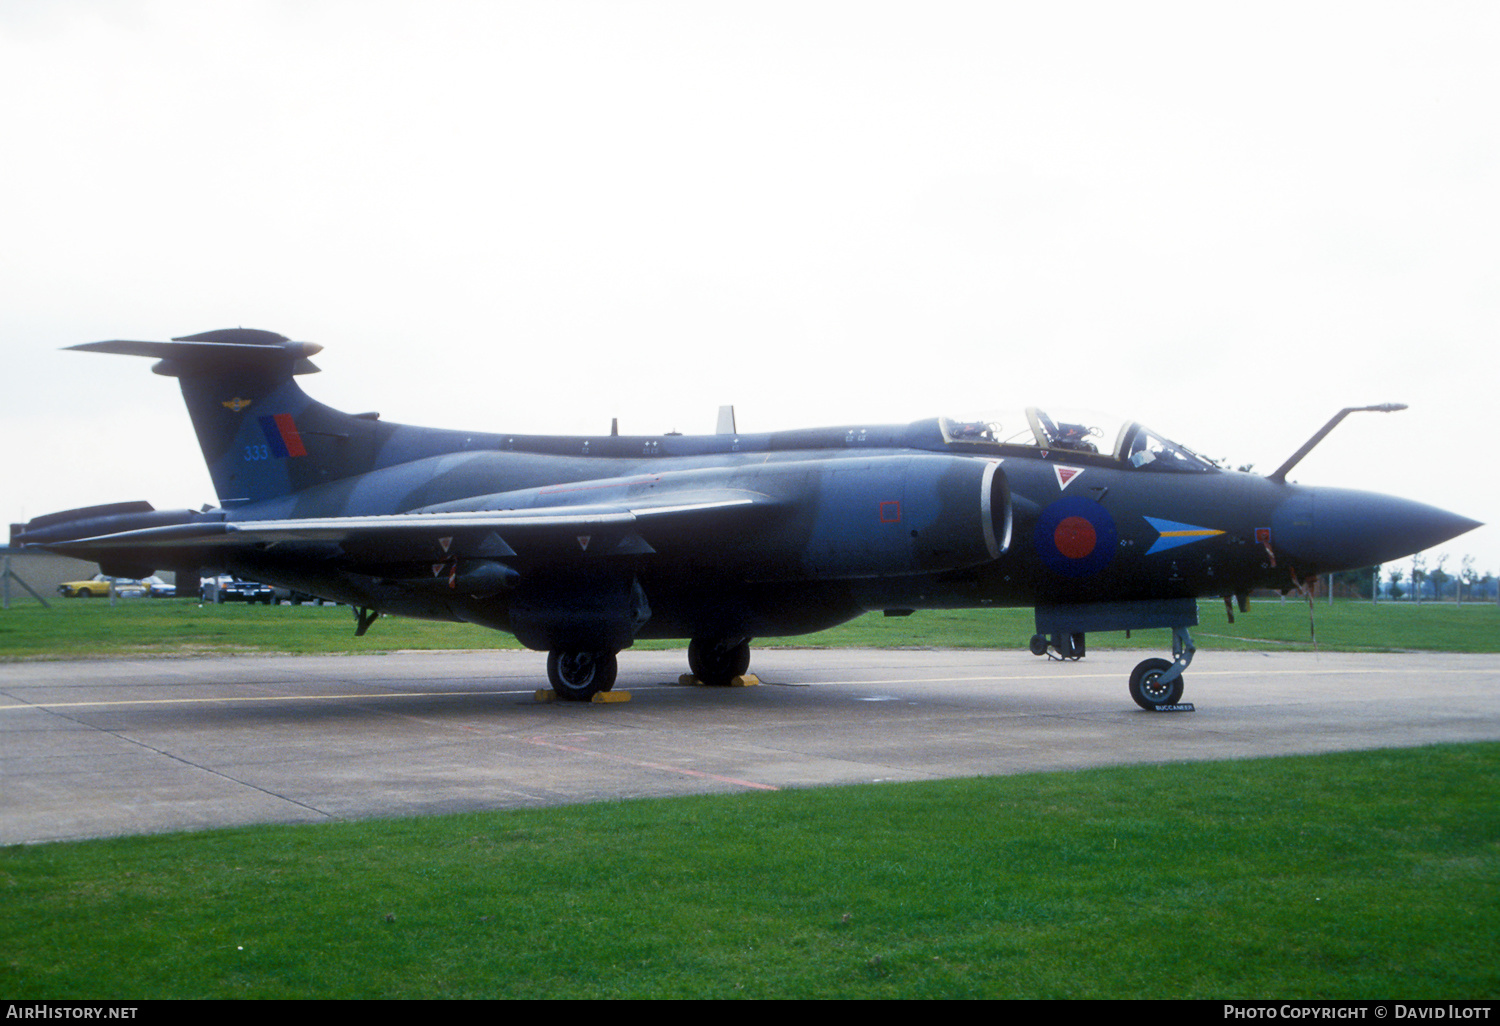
262 436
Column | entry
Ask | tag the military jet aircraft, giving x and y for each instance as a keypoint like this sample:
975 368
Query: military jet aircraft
580 545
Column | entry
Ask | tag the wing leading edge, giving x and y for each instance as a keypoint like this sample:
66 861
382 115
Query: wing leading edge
521 524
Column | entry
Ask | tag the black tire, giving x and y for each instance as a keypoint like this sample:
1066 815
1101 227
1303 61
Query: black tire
578 676
1038 645
1079 645
716 663
1146 688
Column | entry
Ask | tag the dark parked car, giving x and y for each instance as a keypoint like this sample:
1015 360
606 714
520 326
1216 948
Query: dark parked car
230 589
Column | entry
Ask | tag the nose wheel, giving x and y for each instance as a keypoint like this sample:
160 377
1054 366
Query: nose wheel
1155 684
1149 689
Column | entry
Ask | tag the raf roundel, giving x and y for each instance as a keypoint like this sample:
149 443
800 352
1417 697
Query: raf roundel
1076 537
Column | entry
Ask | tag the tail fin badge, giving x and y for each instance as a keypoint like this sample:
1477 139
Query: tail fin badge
236 404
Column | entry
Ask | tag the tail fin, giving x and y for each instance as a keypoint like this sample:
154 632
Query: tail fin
262 436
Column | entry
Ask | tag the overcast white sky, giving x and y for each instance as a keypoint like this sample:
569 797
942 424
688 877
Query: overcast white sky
1226 220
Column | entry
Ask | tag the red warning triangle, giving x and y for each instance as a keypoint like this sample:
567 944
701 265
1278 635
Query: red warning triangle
1065 474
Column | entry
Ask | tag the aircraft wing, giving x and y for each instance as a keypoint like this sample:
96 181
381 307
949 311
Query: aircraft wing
519 525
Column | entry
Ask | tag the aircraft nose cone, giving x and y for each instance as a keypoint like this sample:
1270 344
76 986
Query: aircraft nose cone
1338 529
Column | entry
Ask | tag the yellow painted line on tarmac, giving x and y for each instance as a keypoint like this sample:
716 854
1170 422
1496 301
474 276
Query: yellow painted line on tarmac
1115 675
254 698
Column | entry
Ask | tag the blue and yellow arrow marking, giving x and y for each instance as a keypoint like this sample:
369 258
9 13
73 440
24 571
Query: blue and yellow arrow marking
1174 534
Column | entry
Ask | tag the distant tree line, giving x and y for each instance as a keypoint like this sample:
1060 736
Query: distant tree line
1427 580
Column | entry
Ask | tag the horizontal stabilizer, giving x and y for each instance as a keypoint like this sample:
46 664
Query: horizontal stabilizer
192 352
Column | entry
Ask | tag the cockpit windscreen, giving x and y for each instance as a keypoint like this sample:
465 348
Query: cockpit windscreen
1125 441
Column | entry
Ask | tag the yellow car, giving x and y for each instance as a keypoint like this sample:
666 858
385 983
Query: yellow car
98 586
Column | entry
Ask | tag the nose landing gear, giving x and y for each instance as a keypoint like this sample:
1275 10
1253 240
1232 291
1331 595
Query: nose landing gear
1156 685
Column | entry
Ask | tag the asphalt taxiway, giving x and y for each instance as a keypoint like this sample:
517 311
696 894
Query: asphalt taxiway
98 748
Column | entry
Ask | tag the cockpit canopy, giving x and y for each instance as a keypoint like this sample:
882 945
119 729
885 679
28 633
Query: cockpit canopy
1126 442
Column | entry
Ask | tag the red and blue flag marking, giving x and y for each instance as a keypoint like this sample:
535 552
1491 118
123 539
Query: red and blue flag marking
282 437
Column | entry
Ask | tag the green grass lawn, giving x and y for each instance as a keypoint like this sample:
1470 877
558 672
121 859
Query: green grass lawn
1355 875
83 628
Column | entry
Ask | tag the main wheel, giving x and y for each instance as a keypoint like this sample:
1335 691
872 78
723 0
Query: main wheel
579 676
716 663
1147 689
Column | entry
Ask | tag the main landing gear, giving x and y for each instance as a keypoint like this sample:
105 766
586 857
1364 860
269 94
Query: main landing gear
578 675
1155 684
717 661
